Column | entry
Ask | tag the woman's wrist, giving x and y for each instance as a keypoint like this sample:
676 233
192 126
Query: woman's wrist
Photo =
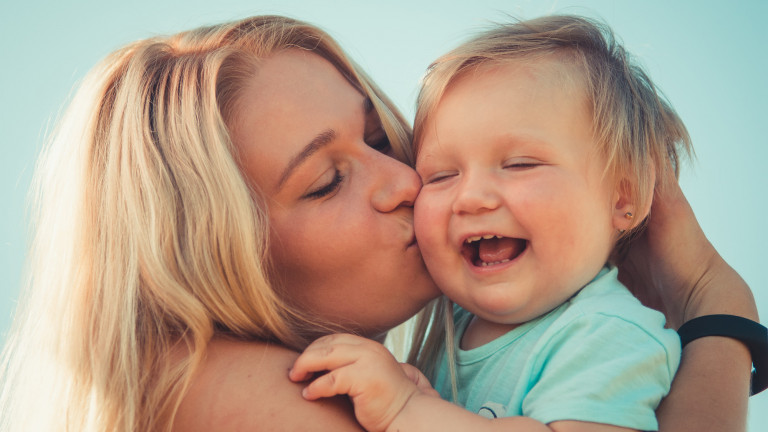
710 390
722 305
720 290
751 334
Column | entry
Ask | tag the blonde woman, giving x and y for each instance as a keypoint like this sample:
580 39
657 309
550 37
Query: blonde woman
214 200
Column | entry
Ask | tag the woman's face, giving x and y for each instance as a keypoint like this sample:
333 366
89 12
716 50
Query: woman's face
340 207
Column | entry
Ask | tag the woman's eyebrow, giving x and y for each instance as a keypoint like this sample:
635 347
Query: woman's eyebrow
322 139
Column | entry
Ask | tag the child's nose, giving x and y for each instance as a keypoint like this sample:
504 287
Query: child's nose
476 194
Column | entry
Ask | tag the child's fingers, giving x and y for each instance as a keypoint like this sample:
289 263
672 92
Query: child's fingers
333 383
329 353
313 359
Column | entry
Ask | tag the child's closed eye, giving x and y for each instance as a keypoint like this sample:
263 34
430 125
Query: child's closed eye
522 164
439 177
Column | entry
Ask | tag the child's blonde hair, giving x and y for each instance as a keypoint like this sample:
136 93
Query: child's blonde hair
635 128
148 237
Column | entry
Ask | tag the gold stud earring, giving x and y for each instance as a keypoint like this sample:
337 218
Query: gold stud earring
627 216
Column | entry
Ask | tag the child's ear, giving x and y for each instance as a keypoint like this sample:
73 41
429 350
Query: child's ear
628 211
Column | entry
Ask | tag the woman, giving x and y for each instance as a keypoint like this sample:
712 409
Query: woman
216 199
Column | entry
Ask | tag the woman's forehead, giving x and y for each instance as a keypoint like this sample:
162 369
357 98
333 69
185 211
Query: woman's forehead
294 97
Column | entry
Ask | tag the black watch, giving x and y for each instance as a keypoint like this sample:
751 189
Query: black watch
752 334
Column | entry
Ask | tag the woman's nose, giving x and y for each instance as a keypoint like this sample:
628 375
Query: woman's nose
475 194
398 185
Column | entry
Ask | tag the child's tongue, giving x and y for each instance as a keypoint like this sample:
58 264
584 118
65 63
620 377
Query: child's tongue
499 249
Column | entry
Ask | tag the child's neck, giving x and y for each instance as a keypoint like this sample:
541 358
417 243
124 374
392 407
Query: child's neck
479 332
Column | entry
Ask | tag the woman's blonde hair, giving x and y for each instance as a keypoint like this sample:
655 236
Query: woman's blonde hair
148 238
636 130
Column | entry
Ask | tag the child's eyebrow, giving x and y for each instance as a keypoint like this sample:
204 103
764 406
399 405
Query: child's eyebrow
521 139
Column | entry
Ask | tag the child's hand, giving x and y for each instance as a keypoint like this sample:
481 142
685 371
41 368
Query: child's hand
418 378
365 370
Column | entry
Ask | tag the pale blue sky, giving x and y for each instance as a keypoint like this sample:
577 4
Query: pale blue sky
709 57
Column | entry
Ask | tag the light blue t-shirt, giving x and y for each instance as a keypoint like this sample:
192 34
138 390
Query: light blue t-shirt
600 357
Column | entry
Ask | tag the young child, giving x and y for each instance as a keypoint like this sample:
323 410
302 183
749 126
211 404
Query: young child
537 144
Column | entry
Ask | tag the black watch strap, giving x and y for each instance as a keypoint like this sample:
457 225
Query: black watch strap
752 334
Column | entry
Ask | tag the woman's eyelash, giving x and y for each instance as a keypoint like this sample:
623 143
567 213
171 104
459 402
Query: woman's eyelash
327 189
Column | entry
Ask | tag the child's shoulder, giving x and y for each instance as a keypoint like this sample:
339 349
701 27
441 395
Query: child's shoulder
609 325
606 296
607 307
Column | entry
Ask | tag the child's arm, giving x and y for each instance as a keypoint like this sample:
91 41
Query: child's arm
388 396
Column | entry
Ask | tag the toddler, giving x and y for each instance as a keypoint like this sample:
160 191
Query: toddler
537 144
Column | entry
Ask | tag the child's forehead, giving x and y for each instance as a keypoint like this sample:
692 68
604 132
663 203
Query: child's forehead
519 94
561 70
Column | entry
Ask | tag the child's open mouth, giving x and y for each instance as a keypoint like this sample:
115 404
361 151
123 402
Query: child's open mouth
490 249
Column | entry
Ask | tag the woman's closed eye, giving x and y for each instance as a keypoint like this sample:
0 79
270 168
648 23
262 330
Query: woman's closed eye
326 187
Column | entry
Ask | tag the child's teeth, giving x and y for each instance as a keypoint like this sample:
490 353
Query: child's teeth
486 264
482 237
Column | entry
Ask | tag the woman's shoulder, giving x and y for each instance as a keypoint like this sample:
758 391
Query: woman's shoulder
245 386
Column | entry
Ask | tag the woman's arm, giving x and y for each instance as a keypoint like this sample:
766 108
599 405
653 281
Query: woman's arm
244 386
674 268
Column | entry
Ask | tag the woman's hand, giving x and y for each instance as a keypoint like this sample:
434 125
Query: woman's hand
377 384
672 267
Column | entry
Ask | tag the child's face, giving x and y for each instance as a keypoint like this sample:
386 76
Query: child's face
509 153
